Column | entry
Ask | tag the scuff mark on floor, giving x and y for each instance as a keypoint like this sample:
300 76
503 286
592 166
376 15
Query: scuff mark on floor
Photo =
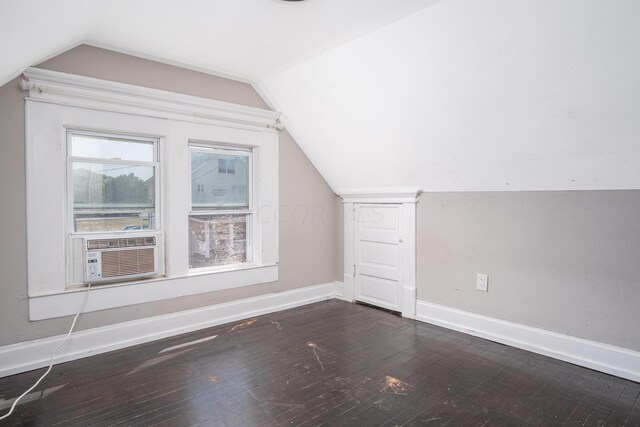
361 388
212 379
187 344
384 403
266 403
30 397
315 347
285 405
395 386
278 325
387 323
156 360
243 325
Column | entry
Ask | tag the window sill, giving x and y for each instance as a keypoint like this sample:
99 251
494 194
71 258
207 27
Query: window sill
222 268
102 297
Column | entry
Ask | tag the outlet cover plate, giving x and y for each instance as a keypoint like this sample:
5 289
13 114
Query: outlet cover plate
482 282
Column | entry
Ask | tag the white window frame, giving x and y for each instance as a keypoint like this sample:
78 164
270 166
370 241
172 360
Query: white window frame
58 102
127 137
252 190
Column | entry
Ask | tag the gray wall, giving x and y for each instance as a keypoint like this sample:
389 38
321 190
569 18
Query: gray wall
565 261
307 224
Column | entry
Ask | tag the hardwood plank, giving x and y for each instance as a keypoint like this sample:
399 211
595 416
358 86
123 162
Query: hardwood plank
330 363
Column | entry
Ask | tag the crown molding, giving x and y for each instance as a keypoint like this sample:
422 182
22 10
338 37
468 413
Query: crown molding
381 195
88 92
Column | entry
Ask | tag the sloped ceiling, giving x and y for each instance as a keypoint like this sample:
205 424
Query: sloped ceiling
246 39
463 95
473 95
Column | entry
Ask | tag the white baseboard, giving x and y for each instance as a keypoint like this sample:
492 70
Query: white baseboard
340 292
34 354
606 358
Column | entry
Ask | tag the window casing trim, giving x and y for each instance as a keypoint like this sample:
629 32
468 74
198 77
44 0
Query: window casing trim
49 113
58 304
89 92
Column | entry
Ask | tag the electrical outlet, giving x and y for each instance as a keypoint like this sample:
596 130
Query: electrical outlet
482 282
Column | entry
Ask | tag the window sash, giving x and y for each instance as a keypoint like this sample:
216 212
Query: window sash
248 240
71 160
207 148
111 136
200 147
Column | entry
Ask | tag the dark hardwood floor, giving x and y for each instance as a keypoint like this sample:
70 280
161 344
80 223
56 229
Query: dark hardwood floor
330 363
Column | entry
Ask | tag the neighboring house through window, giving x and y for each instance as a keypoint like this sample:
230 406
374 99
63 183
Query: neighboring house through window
220 220
226 165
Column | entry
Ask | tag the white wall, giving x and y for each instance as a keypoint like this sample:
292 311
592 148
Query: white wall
467 97
476 95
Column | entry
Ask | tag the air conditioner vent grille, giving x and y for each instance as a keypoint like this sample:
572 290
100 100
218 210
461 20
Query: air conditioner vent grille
127 262
120 243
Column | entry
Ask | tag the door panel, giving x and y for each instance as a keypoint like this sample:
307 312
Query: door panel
379 217
379 291
378 255
379 259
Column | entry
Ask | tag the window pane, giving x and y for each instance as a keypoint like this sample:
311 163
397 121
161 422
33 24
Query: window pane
217 240
100 147
219 181
113 197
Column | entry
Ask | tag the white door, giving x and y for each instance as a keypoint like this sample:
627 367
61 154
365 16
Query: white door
377 255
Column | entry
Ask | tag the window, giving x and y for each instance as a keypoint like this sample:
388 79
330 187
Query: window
226 165
92 175
221 219
113 182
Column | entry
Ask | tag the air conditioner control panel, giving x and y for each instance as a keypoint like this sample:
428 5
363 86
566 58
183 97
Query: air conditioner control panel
93 265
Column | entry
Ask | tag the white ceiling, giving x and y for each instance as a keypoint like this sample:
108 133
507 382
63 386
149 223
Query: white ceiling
467 95
464 95
246 39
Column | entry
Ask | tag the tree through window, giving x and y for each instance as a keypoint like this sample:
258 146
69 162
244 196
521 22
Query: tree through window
113 182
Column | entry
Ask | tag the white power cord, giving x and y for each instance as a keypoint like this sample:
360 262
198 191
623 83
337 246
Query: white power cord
73 324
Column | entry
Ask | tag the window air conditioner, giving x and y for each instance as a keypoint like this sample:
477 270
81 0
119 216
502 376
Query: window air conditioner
120 258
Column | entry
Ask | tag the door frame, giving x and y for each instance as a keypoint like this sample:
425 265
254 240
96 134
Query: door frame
407 199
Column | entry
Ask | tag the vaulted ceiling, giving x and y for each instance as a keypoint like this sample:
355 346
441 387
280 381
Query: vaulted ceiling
467 95
246 39
445 95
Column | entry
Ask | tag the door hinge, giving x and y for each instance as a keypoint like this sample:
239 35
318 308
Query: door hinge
354 270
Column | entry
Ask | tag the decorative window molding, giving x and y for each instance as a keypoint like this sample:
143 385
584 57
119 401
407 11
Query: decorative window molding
60 102
70 89
380 195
